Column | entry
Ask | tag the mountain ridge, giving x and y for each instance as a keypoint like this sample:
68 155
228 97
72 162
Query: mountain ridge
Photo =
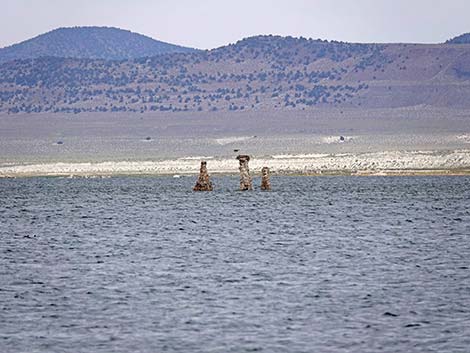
93 42
461 39
256 73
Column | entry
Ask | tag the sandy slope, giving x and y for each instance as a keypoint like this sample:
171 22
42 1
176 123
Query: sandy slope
362 163
332 141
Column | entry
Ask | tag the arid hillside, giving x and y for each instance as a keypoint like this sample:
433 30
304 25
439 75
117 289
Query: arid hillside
260 73
106 43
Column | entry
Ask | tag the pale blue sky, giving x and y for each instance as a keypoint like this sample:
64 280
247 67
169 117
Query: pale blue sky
212 23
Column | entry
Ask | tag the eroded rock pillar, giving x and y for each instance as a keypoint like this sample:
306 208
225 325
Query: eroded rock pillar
203 182
245 178
265 182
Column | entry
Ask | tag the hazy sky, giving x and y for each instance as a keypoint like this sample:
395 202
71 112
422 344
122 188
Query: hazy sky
212 23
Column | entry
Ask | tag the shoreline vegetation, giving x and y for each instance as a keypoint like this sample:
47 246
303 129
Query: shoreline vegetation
396 163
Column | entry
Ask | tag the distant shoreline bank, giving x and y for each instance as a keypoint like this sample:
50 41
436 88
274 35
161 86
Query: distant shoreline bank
395 163
394 173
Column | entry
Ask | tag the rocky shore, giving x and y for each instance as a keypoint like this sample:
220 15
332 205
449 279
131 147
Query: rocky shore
374 163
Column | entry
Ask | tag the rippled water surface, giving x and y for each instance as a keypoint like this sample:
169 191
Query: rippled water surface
143 264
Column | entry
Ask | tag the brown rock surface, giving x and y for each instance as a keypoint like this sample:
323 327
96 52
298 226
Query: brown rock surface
245 178
203 182
265 182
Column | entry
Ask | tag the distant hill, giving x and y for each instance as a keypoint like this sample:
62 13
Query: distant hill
260 73
462 39
89 43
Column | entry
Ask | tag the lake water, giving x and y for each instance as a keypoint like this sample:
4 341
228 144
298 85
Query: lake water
325 264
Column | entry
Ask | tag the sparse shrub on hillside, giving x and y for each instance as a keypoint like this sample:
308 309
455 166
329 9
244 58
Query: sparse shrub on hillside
282 72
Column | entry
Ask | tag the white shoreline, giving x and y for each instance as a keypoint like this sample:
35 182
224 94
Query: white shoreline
377 163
